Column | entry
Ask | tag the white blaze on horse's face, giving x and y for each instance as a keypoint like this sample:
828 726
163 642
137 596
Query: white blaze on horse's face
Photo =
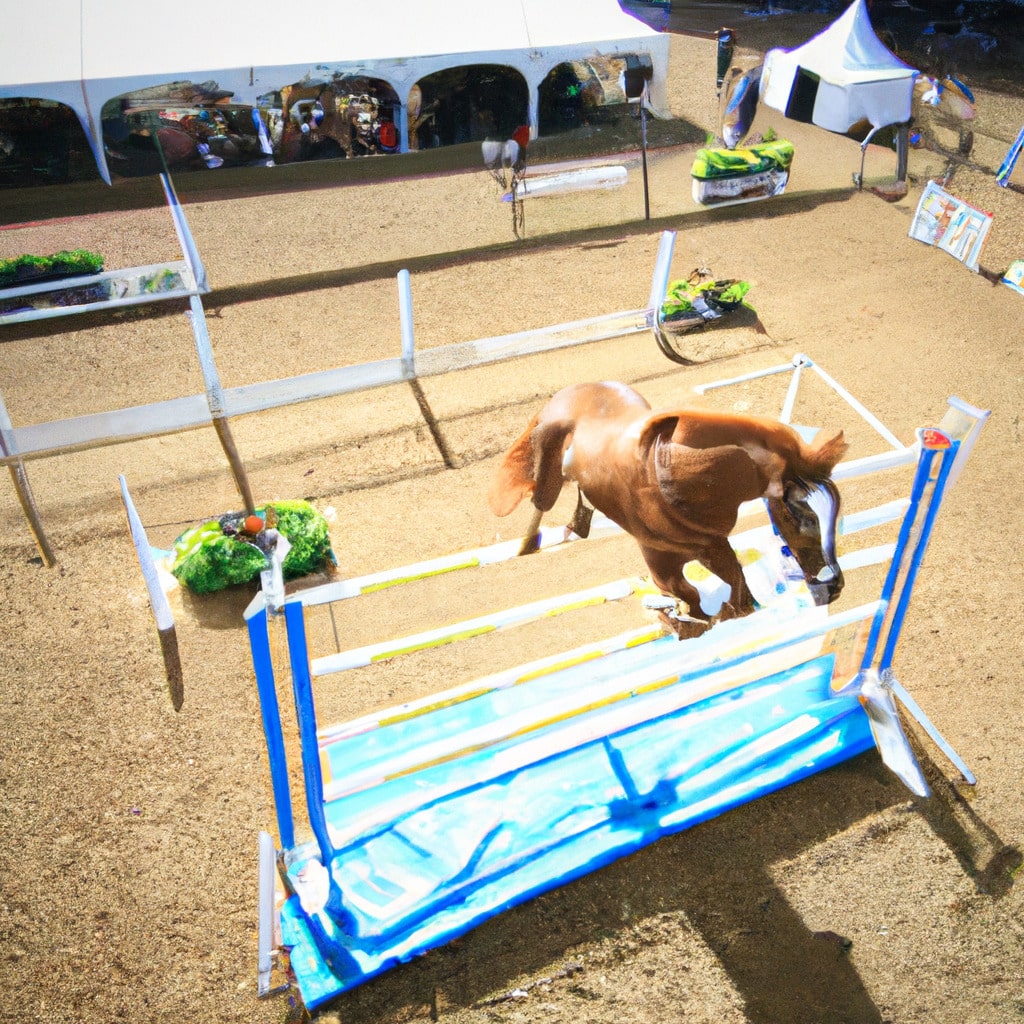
808 525
822 501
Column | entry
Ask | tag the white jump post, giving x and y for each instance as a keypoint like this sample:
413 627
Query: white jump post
795 366
23 488
405 319
158 602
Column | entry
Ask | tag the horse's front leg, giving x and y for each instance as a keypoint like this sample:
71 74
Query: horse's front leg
720 558
667 574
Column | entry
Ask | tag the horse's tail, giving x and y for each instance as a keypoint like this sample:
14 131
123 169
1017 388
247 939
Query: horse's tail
533 465
820 457
514 478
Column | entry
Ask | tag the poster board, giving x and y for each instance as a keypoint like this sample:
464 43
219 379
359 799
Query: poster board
951 224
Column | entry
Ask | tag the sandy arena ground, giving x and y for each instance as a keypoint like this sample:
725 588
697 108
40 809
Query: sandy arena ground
129 830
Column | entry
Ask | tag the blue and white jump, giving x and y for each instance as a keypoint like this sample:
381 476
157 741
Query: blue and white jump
428 818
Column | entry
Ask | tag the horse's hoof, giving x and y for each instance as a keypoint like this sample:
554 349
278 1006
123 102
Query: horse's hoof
685 627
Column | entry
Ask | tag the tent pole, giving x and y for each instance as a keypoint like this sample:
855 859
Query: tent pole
859 178
902 150
643 151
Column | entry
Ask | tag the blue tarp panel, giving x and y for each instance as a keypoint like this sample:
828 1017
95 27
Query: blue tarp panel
425 876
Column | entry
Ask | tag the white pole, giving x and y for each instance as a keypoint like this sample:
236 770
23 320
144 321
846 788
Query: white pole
215 399
662 265
185 239
158 602
8 448
405 314
265 917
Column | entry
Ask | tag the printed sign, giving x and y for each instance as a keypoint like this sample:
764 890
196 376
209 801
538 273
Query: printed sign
951 224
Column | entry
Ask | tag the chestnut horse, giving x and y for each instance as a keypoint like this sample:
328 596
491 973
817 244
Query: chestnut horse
674 479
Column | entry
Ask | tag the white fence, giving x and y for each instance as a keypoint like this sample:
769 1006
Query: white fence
218 404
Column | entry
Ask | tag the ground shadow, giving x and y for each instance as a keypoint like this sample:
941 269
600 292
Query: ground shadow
225 609
301 284
984 858
717 878
222 609
717 875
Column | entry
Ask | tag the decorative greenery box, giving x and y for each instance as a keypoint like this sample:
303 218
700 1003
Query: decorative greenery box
23 269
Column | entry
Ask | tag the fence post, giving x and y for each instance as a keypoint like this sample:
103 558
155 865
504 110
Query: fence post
24 489
185 239
215 399
409 368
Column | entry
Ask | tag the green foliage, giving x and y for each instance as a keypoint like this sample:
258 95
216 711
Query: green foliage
163 281
734 294
306 530
219 561
77 261
219 553
70 262
721 296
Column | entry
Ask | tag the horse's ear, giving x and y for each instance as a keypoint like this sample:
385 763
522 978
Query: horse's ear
514 479
828 452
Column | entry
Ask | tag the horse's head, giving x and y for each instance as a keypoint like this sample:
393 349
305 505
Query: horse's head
806 518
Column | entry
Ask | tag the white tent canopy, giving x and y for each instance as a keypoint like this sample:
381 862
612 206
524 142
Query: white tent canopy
842 77
83 52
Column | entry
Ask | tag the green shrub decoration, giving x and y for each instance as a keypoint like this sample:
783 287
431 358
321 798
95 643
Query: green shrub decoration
682 297
72 262
221 553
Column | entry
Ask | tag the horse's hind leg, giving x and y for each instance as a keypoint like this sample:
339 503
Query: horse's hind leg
579 525
546 443
531 538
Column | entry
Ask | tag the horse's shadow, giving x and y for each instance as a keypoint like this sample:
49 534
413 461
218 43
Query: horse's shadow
718 879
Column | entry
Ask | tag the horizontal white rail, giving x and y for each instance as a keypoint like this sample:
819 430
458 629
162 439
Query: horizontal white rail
359 657
584 717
